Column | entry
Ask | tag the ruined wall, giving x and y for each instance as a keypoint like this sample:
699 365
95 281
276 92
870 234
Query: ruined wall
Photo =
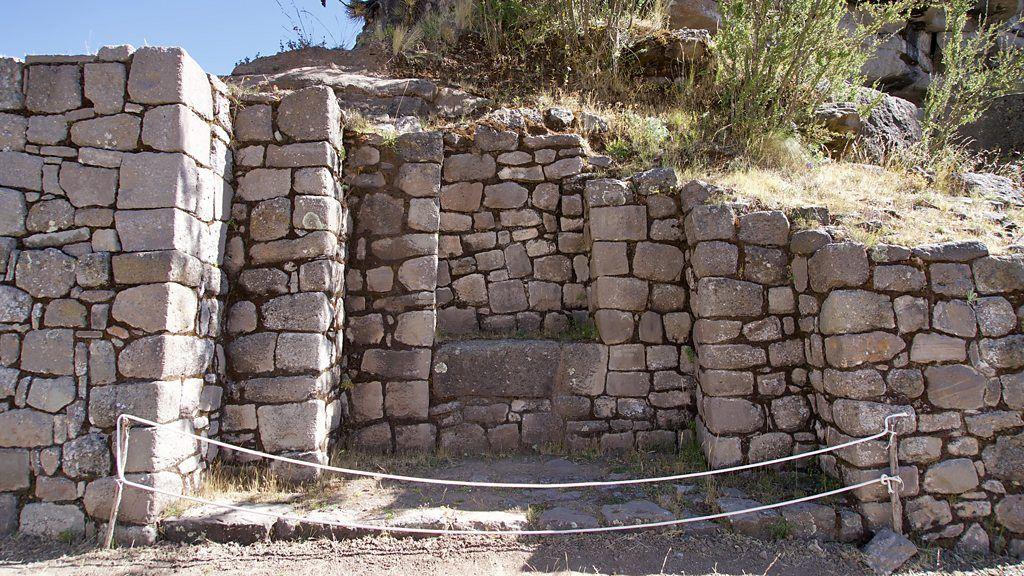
286 258
113 209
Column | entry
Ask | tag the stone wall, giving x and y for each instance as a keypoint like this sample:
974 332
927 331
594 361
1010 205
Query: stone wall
753 389
511 234
286 258
934 332
392 281
113 212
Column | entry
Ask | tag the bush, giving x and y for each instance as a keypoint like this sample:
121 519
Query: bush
780 59
976 72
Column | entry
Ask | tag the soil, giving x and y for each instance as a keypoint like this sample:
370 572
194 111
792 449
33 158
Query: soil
630 554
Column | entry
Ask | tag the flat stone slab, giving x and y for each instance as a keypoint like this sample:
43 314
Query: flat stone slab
496 368
634 512
450 519
757 524
215 524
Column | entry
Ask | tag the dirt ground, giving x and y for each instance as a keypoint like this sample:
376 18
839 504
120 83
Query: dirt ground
627 554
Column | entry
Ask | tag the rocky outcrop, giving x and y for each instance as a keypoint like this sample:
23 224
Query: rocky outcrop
872 126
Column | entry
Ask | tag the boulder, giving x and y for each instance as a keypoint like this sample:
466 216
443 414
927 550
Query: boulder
892 124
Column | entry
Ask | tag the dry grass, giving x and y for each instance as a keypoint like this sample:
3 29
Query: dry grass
877 205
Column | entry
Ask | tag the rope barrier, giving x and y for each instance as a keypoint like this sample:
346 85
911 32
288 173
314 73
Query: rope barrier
515 485
123 430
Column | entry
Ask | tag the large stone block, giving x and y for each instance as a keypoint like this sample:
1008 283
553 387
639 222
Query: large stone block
314 245
293 427
710 222
956 387
851 350
176 128
264 184
156 230
157 401
999 274
765 228
165 356
20 170
88 186
154 308
14 470
53 521
731 356
937 348
658 262
849 311
419 180
254 123
302 155
317 213
724 297
462 196
618 223
15 305
305 312
862 418
155 180
25 428
303 353
52 394
582 369
715 258
406 365
732 416
87 456
49 352
508 296
11 94
310 114
137 506
53 89
620 293
837 266
156 449
169 76
951 477
407 400
119 132
157 267
523 369
105 84
1006 353
465 167
13 132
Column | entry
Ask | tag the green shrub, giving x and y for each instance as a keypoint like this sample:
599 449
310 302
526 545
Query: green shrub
778 60
976 71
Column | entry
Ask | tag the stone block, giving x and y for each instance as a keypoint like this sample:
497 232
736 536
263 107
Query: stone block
310 114
911 314
137 507
724 297
270 220
838 266
308 247
119 132
404 365
928 348
424 215
157 230
899 279
467 167
15 305
20 170
303 312
47 130
419 180
953 280
851 350
858 384
463 439
541 428
87 186
13 132
155 180
956 387
157 267
508 296
407 400
511 368
726 383
87 456
105 84
165 356
53 89
714 258
505 196
53 521
614 326
302 353
254 123
999 274
951 477
995 316
302 155
154 308
862 418
618 223
732 416
417 328
26 428
620 293
765 228
731 356
49 352
1005 353
14 470
293 427
658 262
462 196
176 128
52 394
710 222
169 76
849 311
13 211
11 94
416 438
955 317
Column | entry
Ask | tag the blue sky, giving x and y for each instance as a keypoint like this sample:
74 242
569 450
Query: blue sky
217 33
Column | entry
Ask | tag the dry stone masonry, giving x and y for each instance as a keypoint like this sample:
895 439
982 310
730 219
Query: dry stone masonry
251 269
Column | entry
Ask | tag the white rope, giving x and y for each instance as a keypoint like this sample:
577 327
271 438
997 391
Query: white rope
889 428
446 532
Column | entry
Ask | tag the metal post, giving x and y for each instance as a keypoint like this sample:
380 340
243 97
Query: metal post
894 491
121 454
